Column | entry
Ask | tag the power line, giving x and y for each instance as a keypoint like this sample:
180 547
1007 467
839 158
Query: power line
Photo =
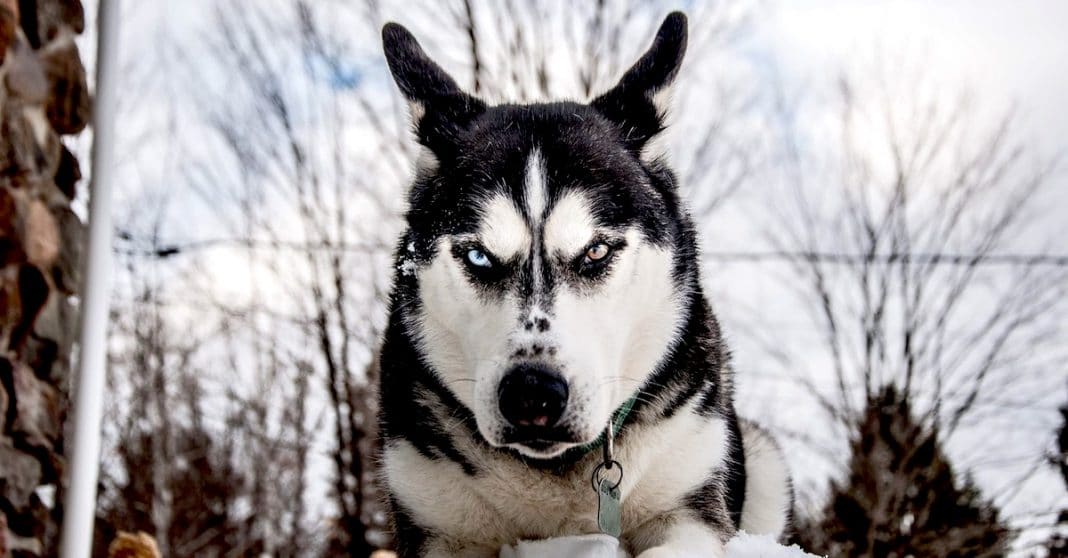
921 258
170 249
164 250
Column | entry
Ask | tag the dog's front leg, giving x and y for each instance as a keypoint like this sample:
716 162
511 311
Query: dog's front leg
679 537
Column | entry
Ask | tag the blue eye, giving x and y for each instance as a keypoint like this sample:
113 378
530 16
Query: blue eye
478 259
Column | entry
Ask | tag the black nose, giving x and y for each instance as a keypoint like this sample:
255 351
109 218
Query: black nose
532 395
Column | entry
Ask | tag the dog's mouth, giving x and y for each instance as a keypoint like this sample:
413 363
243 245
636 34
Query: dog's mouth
540 442
541 449
532 433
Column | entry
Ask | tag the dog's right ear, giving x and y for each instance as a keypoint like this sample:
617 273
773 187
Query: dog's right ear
439 108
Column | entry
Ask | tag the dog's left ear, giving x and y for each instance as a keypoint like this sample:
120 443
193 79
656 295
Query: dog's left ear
639 103
439 108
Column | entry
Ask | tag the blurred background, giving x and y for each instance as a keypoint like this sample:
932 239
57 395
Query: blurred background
880 190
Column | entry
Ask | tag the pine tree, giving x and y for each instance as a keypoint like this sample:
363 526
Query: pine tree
902 497
1058 543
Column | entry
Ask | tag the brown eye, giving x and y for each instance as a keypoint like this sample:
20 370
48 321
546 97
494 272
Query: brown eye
597 252
597 259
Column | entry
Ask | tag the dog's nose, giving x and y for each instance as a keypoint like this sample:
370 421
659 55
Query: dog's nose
532 395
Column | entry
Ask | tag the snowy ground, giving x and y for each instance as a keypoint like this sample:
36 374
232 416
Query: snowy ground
752 546
603 546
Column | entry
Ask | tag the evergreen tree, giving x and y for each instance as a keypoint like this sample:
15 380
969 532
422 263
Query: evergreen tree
1058 543
901 497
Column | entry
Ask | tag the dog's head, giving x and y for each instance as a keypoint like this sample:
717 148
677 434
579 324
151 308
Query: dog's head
542 254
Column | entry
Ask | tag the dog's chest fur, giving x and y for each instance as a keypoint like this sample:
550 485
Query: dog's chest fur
506 500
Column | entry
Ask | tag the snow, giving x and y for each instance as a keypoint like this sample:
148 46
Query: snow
743 545
407 267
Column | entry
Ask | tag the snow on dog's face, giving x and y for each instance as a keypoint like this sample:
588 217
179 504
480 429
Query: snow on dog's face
542 276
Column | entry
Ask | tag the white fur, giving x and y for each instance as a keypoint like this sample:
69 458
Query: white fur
662 100
416 111
589 546
612 339
607 338
569 227
535 191
426 163
768 495
504 232
657 146
536 194
671 459
465 337
509 501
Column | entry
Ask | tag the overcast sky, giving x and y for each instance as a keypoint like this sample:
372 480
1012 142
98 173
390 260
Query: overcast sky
1011 51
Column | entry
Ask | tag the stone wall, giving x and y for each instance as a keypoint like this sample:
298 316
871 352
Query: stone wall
43 97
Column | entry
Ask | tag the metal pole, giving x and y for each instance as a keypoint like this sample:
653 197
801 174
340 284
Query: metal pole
79 509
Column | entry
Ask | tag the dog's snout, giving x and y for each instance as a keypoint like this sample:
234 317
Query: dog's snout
531 395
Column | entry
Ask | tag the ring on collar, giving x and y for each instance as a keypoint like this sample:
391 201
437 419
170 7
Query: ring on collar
601 468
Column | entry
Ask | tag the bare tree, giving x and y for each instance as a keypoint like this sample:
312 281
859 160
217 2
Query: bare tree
236 462
297 134
162 473
903 241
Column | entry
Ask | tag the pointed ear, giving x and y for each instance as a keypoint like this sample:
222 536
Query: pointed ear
439 108
639 103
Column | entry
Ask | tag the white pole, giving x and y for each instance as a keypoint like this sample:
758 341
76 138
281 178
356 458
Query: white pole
79 510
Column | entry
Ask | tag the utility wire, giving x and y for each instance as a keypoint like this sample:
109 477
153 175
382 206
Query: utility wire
921 258
164 250
168 250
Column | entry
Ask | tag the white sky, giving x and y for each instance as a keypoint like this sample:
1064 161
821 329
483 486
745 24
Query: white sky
1009 53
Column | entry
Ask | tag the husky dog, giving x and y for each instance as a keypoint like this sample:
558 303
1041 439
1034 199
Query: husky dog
547 324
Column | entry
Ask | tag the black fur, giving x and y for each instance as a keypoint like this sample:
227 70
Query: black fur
448 110
629 104
409 538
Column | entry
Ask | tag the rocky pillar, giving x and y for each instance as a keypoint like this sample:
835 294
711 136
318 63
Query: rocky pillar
43 97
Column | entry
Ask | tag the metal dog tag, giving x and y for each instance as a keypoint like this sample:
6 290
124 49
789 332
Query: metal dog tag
609 519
